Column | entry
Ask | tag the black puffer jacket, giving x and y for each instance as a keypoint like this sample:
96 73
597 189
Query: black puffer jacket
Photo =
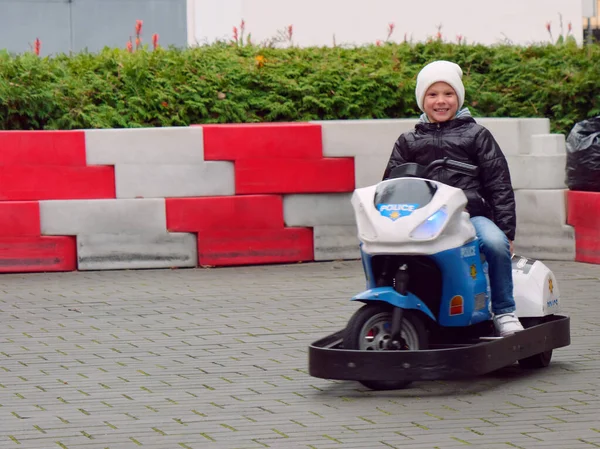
490 194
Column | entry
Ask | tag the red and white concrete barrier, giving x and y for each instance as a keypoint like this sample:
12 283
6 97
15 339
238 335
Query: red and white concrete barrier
218 195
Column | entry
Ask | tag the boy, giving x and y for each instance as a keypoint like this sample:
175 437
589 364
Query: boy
445 129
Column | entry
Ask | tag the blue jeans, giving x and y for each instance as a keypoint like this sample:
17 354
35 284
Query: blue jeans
494 244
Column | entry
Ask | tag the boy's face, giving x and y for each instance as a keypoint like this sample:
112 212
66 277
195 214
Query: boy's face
440 103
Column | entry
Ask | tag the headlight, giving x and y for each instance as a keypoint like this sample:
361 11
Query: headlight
430 227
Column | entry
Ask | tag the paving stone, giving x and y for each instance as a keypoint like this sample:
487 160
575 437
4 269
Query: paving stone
217 358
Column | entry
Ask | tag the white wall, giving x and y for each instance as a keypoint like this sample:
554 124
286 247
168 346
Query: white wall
358 22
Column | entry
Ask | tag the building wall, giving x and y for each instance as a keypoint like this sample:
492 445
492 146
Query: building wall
74 25
595 20
315 22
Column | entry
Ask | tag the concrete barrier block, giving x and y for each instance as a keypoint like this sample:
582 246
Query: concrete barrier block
336 243
514 135
19 219
365 138
548 145
35 254
369 169
537 172
294 176
170 145
542 230
235 141
48 147
79 217
541 207
529 127
318 209
505 132
545 242
134 251
164 181
39 182
229 247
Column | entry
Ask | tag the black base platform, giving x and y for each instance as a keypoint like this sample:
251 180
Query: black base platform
328 360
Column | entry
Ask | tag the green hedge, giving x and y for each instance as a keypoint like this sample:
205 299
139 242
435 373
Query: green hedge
225 84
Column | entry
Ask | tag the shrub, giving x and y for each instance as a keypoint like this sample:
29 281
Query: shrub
224 83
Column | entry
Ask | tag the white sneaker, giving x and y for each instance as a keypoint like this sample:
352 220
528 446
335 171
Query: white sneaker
507 324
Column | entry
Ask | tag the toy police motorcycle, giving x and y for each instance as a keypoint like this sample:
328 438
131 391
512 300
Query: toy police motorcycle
427 312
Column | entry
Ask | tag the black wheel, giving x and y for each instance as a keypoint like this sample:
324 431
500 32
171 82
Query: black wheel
541 360
370 328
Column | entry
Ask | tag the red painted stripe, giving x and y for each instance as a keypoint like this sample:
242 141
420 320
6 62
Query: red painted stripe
226 212
587 244
251 247
26 183
42 148
331 175
37 254
262 140
20 219
583 209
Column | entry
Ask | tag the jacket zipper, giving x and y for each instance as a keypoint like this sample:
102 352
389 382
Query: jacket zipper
440 154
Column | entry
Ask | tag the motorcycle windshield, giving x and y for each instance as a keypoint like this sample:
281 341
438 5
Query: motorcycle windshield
401 197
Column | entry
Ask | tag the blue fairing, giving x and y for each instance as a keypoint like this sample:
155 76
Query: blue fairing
465 297
465 290
391 296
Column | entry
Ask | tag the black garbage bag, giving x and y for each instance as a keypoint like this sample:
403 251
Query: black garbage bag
583 156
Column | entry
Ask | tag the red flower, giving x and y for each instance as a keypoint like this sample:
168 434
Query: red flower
290 31
548 26
235 34
37 46
137 42
129 46
391 28
155 41
138 27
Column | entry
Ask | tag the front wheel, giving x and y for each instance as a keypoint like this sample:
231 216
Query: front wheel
541 360
370 329
537 361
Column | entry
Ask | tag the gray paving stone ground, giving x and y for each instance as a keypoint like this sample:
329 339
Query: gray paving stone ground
218 358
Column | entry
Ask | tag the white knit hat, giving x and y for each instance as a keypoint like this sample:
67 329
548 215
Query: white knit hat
444 71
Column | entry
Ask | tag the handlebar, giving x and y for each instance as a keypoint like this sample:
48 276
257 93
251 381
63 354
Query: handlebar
461 167
414 170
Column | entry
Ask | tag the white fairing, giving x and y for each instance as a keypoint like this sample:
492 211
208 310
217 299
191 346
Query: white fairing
535 288
381 235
